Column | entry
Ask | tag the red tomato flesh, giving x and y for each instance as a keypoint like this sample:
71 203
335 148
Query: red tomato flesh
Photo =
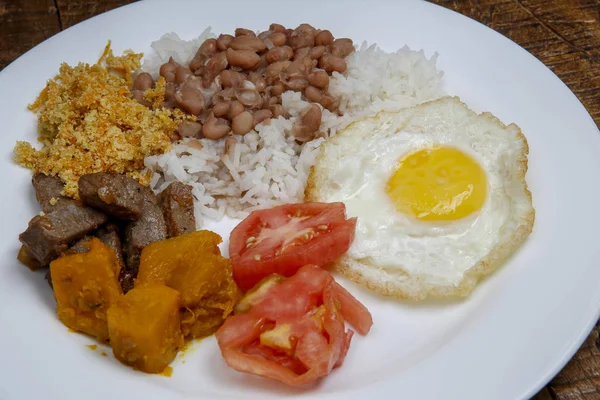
294 330
282 239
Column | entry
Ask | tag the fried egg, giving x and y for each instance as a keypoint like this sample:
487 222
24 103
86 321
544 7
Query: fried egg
439 192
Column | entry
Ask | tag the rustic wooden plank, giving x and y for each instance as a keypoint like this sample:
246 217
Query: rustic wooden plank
563 34
23 24
72 12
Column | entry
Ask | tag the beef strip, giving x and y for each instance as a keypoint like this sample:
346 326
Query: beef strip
177 203
150 228
28 259
116 195
48 191
48 236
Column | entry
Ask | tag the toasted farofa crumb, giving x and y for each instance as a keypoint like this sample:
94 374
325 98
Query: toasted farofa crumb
88 122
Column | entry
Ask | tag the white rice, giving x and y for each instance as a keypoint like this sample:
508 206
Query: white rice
266 167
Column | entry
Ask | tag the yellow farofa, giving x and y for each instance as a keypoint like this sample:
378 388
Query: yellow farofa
88 122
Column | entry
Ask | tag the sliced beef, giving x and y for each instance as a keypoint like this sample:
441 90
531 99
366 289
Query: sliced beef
28 259
116 195
48 236
177 203
150 228
48 191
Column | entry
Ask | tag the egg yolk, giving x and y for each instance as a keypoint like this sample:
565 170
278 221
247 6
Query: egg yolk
438 184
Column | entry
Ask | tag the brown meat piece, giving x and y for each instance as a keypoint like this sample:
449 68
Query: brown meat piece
116 195
48 191
28 259
150 228
48 236
177 203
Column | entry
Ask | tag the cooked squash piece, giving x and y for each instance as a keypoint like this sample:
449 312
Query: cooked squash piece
144 327
85 286
208 292
159 259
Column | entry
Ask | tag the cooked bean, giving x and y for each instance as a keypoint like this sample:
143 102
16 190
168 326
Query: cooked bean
302 52
260 84
195 144
249 98
262 64
279 54
242 123
221 109
215 128
189 129
308 123
265 35
332 63
231 78
227 94
242 58
170 89
224 41
190 100
323 38
318 78
143 81
288 33
235 109
138 95
244 32
316 52
167 70
273 100
301 40
299 67
276 28
277 89
216 64
297 84
208 47
306 29
330 103
277 110
260 116
341 47
246 42
313 94
181 74
278 39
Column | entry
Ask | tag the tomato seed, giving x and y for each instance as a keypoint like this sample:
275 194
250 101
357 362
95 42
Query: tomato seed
322 227
257 257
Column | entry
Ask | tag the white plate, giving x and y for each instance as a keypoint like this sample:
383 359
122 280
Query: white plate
509 338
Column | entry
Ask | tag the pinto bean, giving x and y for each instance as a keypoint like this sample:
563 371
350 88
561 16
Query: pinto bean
341 47
301 40
242 58
276 28
224 41
330 103
331 63
277 110
215 128
316 52
170 89
279 54
181 74
307 125
215 65
143 81
242 123
313 94
276 89
231 78
278 38
260 84
167 70
235 109
249 98
323 38
246 42
190 100
302 52
307 29
260 116
138 95
229 143
189 129
244 32
297 84
221 109
318 78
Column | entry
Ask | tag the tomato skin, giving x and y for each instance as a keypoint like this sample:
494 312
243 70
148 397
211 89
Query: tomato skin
273 227
310 306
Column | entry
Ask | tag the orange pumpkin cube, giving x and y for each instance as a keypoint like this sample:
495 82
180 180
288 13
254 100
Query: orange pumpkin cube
144 327
85 286
159 259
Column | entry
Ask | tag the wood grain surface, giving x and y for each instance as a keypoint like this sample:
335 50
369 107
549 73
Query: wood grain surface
563 34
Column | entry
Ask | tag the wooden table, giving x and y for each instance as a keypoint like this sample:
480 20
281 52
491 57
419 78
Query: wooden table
563 34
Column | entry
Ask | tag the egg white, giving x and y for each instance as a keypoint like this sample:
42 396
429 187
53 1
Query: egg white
404 256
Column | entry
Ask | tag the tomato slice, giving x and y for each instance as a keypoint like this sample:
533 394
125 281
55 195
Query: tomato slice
282 239
292 330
